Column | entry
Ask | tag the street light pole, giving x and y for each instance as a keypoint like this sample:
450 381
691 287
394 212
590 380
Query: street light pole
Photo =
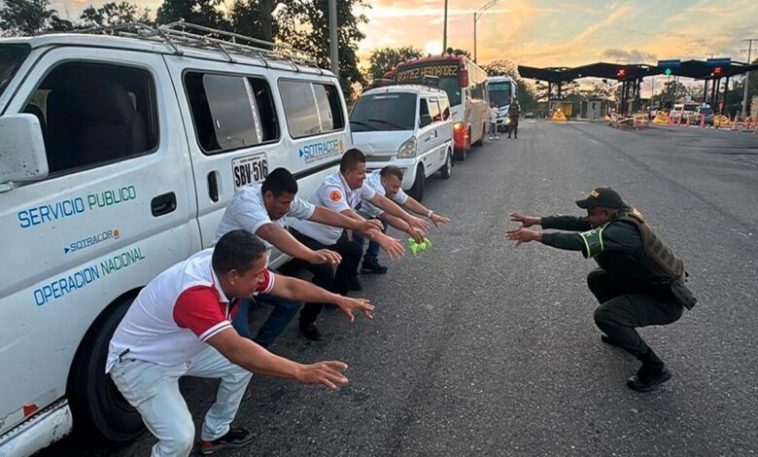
444 32
478 15
334 45
747 76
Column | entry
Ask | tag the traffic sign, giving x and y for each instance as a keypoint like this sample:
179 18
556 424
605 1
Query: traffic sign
719 62
667 72
673 63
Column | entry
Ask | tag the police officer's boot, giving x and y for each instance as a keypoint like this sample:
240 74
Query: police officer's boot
652 372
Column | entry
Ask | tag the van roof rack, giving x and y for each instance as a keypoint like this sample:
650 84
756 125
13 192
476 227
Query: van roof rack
180 34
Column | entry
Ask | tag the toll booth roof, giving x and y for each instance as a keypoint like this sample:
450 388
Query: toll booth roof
696 69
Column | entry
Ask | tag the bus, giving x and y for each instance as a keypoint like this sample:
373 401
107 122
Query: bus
502 92
466 87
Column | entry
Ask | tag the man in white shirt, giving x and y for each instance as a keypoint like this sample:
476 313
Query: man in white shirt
179 325
342 192
388 182
261 210
493 122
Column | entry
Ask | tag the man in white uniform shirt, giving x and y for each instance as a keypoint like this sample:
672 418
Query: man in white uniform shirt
261 210
179 325
342 192
387 182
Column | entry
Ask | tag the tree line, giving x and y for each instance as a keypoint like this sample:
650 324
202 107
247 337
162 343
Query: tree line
302 24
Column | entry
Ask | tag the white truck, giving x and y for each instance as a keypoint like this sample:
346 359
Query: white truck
118 155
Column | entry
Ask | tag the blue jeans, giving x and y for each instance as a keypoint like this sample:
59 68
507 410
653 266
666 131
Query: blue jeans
372 252
284 311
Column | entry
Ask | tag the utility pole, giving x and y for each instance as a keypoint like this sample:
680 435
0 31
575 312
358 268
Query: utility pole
444 32
333 45
747 77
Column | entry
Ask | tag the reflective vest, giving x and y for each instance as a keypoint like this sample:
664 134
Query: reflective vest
658 259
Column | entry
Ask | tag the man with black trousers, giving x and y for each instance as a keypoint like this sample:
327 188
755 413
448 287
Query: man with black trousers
640 281
342 191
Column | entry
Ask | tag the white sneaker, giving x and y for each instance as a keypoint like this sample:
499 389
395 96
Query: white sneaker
497 137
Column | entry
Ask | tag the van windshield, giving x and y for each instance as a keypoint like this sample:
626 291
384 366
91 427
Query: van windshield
384 112
11 58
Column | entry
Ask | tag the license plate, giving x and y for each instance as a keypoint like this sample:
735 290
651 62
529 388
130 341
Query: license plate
249 170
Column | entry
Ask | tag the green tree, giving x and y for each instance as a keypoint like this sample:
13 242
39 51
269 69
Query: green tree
314 37
200 12
113 14
30 17
254 18
382 60
501 67
673 92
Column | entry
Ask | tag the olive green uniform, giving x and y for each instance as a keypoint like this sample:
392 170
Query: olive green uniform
633 291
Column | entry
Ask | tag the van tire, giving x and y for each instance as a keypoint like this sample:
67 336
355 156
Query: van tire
447 168
99 410
417 190
480 143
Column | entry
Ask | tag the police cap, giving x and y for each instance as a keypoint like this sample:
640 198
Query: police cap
601 197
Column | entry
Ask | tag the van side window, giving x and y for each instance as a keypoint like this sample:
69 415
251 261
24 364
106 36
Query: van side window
311 108
94 114
434 110
423 108
230 111
445 108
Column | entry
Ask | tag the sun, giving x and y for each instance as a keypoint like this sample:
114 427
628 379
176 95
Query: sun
433 48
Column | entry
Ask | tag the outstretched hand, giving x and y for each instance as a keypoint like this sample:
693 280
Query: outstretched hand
326 373
347 305
526 221
523 235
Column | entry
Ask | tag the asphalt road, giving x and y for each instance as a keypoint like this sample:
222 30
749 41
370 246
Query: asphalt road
479 348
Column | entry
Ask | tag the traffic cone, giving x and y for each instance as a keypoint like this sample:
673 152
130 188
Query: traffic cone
702 121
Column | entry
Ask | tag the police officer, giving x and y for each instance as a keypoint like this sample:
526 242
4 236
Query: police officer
514 111
640 281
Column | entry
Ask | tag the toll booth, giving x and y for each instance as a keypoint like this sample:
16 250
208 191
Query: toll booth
567 108
593 109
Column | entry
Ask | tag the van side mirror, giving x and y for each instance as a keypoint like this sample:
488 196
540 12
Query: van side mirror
426 119
22 150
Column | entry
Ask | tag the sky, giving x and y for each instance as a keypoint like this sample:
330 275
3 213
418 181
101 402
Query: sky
544 33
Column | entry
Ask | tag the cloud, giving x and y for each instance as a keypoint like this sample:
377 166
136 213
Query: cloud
634 56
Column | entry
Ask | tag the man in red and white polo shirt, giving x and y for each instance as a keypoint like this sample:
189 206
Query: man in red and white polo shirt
179 325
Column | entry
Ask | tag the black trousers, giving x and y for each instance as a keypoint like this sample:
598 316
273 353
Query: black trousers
325 276
623 309
513 129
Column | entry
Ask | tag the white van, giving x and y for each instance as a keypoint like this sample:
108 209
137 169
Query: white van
118 156
408 126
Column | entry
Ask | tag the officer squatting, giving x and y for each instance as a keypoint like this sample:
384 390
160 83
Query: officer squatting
639 282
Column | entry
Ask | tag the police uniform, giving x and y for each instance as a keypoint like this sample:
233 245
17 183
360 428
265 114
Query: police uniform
247 211
639 282
335 194
514 110
369 211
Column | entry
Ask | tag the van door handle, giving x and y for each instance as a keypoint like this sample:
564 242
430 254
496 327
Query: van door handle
163 204
213 186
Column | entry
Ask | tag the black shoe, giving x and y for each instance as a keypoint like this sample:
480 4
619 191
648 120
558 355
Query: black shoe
235 437
310 331
355 284
645 380
373 267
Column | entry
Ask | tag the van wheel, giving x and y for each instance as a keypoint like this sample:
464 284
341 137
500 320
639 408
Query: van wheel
98 408
417 191
447 169
480 143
